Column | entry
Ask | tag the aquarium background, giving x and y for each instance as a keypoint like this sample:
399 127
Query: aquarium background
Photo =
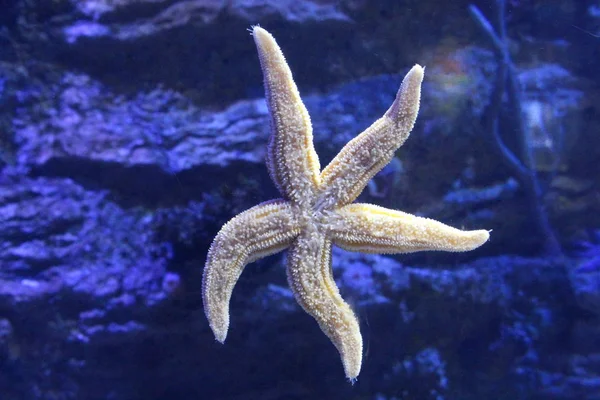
131 130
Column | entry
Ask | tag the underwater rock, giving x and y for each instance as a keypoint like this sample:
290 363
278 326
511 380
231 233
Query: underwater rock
58 239
68 254
120 20
129 131
77 127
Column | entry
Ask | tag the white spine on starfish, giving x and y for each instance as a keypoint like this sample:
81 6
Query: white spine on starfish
291 157
349 172
258 232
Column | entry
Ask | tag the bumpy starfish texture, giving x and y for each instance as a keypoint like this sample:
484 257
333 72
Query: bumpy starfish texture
316 209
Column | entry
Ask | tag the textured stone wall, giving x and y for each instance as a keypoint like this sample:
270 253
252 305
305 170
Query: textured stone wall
131 130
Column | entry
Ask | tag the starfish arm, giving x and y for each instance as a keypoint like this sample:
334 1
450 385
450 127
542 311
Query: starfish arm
292 160
260 231
349 172
372 229
311 280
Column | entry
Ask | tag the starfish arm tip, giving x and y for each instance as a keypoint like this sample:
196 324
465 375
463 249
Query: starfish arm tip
220 334
261 36
254 29
405 108
477 238
352 369
219 324
417 69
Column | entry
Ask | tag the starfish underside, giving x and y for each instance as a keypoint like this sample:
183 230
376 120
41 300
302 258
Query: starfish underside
317 210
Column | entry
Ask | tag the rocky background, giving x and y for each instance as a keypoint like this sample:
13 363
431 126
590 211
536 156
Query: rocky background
131 130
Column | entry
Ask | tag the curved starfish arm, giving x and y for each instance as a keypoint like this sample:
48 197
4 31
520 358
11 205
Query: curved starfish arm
372 229
349 172
258 232
311 280
291 157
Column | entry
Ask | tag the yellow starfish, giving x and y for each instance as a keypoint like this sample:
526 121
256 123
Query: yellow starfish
316 211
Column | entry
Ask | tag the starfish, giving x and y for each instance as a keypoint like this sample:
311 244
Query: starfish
317 211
